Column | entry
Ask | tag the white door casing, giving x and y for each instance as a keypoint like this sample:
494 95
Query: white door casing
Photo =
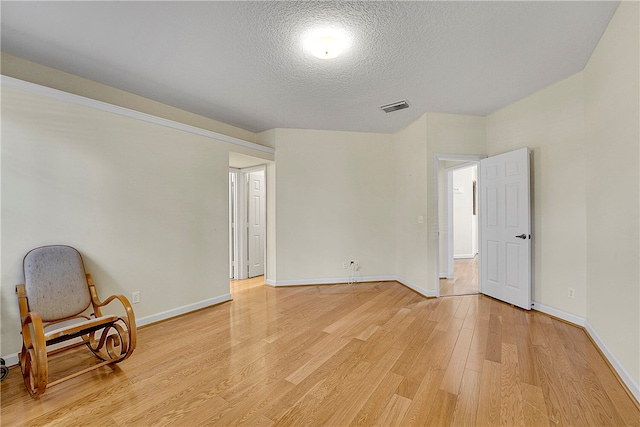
505 253
256 227
233 267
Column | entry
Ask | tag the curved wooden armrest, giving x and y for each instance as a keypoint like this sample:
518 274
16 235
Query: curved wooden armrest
125 303
35 341
131 318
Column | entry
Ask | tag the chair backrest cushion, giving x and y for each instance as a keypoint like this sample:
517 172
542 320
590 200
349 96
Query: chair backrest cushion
55 282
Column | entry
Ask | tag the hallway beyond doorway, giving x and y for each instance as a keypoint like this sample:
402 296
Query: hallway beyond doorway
242 285
465 278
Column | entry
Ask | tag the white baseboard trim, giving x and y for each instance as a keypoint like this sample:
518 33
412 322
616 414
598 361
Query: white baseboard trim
328 280
422 291
631 384
12 359
560 314
624 375
464 256
182 310
336 280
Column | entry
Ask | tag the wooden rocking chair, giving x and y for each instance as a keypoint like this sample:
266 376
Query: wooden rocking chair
53 305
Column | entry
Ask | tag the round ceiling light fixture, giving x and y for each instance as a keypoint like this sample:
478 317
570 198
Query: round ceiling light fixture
326 43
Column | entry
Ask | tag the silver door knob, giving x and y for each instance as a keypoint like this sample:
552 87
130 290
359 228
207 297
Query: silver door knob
522 236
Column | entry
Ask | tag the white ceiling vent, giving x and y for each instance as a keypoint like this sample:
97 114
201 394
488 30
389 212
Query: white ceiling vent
395 106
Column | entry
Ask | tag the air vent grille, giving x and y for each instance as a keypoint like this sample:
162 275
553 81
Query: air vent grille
395 106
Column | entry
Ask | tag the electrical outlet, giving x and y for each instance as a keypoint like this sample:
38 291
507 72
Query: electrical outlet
135 297
572 293
345 264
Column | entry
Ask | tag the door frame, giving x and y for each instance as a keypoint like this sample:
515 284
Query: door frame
241 244
470 160
246 176
234 235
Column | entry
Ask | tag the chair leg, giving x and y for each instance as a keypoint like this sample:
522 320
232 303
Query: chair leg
34 370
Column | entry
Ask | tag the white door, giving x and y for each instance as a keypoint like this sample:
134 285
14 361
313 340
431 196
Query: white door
505 255
256 227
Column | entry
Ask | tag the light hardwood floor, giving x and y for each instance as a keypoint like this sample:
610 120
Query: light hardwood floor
465 278
362 354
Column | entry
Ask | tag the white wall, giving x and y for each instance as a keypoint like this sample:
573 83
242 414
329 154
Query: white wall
410 154
415 152
146 205
446 134
39 74
584 133
335 202
551 123
612 113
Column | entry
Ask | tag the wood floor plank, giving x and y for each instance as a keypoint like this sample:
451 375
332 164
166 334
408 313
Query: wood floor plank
337 409
441 412
526 359
334 369
510 395
489 400
344 413
466 409
455 367
394 412
319 359
465 278
580 412
493 351
378 400
609 385
478 347
433 356
359 354
414 348
534 409
424 399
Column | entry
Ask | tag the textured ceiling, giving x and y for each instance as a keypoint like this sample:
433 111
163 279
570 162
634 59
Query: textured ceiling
243 62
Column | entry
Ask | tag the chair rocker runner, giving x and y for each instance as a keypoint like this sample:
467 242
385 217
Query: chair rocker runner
53 304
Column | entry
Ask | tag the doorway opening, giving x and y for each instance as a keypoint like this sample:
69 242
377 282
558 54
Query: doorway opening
461 230
247 218
457 249
504 233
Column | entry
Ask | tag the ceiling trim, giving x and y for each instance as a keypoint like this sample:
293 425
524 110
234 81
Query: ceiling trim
127 112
